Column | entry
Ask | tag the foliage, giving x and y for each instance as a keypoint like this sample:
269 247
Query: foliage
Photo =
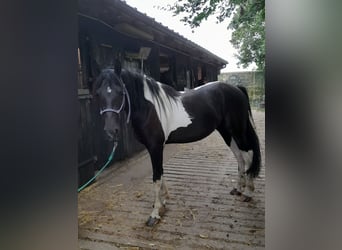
247 20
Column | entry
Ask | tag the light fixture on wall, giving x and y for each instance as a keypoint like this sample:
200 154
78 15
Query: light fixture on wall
144 52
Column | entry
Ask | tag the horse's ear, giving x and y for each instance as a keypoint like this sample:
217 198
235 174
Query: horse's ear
97 85
117 66
95 71
95 68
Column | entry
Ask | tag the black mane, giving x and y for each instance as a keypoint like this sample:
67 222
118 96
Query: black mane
135 85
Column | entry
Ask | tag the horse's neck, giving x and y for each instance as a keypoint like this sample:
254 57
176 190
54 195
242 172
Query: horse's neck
137 105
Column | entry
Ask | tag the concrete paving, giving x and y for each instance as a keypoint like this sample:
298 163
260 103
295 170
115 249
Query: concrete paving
200 214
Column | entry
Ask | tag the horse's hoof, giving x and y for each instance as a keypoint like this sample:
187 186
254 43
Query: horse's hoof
246 198
235 192
152 221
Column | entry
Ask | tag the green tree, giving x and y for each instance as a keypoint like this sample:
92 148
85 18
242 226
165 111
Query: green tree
247 20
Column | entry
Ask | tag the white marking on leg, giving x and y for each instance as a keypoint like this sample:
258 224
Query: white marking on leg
164 191
248 157
250 187
241 166
157 202
174 116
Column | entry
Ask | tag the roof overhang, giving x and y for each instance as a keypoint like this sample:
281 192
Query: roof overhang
129 21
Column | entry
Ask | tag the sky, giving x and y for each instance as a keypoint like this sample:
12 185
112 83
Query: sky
210 35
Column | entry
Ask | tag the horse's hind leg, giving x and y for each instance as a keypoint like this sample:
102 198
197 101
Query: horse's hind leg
241 182
246 159
247 156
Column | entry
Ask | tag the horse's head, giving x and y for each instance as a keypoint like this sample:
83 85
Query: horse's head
111 93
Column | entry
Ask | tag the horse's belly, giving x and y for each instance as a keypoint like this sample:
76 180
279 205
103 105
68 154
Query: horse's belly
189 134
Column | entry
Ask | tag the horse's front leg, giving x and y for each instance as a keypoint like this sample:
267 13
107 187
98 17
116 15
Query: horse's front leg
165 191
156 155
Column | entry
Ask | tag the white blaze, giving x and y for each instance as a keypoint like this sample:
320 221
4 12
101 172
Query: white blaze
109 90
173 116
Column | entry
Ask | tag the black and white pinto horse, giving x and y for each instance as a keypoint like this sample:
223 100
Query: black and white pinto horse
160 115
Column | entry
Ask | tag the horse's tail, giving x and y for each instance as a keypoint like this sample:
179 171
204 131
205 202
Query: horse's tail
244 90
254 169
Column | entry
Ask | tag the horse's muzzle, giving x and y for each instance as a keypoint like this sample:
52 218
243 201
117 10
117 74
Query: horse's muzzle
112 135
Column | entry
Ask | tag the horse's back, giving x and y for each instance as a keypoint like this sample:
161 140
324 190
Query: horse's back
210 106
217 94
228 102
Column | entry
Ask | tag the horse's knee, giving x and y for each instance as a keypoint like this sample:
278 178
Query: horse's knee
156 177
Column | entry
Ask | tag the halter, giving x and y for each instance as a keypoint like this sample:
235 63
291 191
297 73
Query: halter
117 111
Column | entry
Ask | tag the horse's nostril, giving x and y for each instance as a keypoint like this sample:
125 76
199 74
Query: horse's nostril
110 135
